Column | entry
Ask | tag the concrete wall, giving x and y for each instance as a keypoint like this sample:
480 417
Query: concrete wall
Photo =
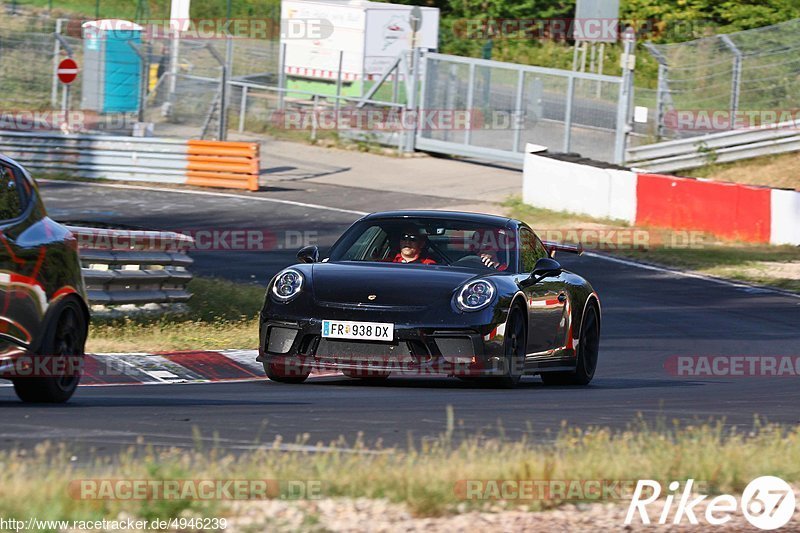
728 210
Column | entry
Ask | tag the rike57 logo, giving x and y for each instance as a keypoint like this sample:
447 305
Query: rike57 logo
767 502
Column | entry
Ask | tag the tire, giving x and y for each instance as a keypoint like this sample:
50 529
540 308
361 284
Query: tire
514 345
277 371
588 350
65 335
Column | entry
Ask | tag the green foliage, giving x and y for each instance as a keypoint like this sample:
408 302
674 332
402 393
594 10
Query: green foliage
726 16
660 21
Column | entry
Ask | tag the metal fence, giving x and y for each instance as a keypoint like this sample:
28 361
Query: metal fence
132 267
720 147
99 156
507 105
510 105
186 98
748 71
29 53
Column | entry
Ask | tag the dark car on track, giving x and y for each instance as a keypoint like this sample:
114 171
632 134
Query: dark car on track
474 296
44 315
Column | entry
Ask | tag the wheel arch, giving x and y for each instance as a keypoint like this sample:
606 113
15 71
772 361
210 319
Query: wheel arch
520 301
580 312
67 294
595 300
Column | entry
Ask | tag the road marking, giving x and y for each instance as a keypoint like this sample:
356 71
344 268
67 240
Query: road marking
210 193
752 289
162 374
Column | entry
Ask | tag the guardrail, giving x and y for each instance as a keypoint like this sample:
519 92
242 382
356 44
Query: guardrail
722 147
151 159
134 267
223 164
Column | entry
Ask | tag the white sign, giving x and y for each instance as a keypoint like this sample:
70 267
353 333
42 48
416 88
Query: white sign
370 35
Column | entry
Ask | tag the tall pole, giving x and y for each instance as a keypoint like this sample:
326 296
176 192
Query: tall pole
339 85
223 127
282 76
56 53
223 97
625 98
736 78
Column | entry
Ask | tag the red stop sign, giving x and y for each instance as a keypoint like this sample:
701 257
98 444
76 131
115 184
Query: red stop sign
67 70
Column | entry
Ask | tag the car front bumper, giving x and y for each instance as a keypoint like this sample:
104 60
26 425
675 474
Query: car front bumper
417 350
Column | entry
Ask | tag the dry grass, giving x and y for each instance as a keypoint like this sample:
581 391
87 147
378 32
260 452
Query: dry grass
775 266
220 315
782 171
131 336
425 476
763 264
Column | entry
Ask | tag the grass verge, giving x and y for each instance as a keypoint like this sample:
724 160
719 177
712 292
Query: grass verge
763 264
780 171
221 314
425 477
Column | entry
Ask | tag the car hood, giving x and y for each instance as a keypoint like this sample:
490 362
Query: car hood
390 284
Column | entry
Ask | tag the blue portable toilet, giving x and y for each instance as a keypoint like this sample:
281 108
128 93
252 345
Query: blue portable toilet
111 70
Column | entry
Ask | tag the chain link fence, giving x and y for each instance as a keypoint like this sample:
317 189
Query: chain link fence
509 105
29 54
754 71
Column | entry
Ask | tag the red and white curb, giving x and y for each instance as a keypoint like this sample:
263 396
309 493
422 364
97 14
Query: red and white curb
196 366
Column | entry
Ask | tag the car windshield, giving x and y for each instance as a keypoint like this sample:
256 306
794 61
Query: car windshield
427 242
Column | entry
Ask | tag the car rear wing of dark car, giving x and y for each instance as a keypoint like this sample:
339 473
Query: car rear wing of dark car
553 247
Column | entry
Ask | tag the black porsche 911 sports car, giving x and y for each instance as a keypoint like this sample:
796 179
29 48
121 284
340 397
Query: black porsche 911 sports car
44 315
475 296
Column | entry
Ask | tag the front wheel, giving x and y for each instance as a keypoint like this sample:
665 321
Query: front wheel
588 350
285 371
61 355
514 346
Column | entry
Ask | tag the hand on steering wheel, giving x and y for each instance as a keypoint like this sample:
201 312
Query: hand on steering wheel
489 261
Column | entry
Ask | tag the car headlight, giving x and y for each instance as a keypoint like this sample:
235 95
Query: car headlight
287 285
475 295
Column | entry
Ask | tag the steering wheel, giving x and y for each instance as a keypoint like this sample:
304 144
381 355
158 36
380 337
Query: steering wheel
472 261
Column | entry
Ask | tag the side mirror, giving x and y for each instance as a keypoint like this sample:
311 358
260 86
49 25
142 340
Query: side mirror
309 254
546 267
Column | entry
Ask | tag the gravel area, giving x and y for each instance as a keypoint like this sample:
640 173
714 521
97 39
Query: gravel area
378 516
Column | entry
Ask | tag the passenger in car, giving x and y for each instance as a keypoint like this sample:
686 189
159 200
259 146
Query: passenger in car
486 245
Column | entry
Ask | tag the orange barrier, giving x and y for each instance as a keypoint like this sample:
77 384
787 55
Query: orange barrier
222 164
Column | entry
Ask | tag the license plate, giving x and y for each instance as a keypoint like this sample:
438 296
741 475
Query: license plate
373 331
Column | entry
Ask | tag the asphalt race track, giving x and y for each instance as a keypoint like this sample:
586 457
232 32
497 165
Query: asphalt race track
648 316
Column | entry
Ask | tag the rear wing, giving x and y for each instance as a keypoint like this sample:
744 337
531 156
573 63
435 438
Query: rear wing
553 247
